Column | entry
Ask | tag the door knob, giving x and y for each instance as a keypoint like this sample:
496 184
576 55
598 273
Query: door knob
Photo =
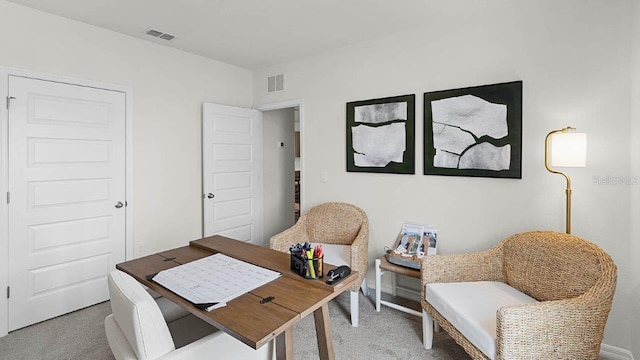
210 195
119 204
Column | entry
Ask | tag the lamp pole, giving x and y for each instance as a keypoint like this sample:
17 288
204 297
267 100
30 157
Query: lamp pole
547 164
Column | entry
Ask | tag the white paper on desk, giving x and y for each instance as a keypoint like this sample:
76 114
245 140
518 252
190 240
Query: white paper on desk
214 279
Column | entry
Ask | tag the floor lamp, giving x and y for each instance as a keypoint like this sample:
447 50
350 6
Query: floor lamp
565 148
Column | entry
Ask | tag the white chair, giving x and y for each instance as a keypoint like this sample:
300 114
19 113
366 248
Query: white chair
137 329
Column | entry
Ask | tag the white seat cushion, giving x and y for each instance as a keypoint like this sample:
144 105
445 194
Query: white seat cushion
471 308
220 345
336 254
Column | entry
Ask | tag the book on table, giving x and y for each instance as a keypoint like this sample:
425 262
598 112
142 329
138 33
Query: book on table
413 242
212 281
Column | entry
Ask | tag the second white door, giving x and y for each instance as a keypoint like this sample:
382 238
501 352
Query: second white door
232 168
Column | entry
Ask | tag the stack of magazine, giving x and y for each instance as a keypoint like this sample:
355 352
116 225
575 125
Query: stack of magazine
413 242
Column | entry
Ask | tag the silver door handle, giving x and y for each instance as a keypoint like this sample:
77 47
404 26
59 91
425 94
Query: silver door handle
210 195
119 204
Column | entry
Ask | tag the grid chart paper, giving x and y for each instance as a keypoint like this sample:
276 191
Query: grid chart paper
214 279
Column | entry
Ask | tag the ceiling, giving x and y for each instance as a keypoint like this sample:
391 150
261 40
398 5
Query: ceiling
252 34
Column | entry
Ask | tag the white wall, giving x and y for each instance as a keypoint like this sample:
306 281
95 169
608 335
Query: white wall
169 87
574 59
634 239
573 56
278 164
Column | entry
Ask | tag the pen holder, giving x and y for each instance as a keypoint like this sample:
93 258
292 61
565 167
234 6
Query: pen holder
309 268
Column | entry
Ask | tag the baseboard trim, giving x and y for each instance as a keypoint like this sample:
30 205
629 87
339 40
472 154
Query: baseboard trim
407 293
615 353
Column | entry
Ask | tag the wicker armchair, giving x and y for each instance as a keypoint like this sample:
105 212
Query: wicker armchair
573 280
336 224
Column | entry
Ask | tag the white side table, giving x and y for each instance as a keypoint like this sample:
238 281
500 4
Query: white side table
382 265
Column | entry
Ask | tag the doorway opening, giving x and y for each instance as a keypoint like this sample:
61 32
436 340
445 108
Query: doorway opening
282 167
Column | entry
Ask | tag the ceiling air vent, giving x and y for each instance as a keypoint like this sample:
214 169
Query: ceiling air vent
159 34
275 83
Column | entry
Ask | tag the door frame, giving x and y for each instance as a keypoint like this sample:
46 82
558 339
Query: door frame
285 105
5 72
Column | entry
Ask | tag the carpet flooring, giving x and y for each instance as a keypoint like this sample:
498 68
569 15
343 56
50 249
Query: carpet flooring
387 335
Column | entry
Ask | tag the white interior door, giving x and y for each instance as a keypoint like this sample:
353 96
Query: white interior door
66 183
232 169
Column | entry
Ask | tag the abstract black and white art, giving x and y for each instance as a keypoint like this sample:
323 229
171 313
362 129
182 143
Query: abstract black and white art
475 131
381 135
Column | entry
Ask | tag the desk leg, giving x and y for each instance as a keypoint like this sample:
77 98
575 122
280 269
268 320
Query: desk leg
284 345
323 333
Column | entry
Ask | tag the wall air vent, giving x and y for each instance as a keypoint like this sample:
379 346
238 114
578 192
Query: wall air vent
159 34
275 83
155 33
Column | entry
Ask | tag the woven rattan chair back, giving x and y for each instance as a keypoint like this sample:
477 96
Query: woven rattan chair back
549 265
334 223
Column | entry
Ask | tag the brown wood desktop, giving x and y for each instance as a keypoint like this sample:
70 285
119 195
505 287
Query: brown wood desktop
251 318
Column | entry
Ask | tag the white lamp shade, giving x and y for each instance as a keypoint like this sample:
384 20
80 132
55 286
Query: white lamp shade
569 150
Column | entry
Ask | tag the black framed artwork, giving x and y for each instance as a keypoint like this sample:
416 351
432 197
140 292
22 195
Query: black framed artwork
474 131
381 135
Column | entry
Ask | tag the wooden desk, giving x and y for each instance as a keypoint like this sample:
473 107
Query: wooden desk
244 317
